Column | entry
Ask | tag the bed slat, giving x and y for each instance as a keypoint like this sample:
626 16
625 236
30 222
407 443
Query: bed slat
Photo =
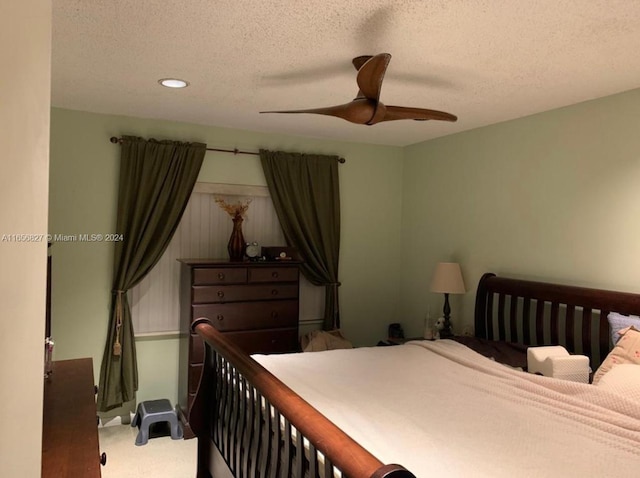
488 322
328 467
501 327
587 316
247 429
227 393
300 452
265 432
313 462
217 423
555 323
603 335
539 322
239 444
513 320
276 448
526 320
569 327
237 409
287 453
256 435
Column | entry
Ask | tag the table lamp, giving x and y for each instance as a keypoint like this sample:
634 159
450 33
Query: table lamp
447 279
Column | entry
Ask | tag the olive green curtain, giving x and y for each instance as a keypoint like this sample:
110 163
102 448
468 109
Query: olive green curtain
156 181
306 196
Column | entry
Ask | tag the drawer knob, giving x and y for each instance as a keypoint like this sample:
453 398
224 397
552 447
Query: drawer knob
103 459
221 275
274 292
220 294
220 317
274 315
274 274
273 341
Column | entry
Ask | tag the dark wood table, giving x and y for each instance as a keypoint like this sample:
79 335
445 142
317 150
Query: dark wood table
70 447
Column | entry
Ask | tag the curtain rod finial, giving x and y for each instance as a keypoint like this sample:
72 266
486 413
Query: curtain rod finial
114 140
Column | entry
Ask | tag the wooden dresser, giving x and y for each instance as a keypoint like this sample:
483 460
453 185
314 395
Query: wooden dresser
70 447
254 303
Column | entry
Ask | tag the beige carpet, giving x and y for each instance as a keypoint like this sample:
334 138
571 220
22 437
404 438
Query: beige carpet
161 457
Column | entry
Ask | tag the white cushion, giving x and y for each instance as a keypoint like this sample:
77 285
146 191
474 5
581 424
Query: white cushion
536 357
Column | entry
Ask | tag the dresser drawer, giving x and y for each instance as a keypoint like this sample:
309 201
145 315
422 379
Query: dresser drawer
249 315
237 293
273 274
219 275
266 341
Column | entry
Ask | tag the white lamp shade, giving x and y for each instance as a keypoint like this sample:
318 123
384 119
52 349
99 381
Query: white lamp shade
447 279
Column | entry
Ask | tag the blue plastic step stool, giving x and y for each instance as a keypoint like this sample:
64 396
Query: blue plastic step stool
153 411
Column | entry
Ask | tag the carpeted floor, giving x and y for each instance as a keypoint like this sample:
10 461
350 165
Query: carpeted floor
161 457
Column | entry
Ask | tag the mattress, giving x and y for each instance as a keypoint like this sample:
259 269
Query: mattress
441 409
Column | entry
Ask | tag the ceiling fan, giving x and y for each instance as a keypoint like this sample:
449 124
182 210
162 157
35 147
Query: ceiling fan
366 107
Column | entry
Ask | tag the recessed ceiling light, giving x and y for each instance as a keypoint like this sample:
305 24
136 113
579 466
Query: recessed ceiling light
173 83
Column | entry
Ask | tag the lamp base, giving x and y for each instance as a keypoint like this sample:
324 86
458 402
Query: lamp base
446 332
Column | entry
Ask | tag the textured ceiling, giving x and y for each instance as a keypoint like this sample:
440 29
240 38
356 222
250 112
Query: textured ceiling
484 61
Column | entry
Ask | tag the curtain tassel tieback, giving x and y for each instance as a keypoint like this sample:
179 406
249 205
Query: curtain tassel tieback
117 347
336 304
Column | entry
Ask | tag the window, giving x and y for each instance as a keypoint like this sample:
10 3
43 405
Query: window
203 233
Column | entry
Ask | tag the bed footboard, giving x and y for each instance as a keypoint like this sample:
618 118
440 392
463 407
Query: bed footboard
263 429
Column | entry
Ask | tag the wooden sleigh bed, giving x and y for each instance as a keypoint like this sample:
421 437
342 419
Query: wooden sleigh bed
250 424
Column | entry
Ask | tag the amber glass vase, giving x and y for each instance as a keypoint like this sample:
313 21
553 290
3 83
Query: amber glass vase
235 247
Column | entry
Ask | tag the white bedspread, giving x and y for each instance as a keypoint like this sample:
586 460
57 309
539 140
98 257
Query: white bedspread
442 410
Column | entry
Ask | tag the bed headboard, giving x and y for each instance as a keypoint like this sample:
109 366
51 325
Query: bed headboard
539 313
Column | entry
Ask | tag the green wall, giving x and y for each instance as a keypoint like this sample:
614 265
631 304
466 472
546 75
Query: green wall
83 197
553 197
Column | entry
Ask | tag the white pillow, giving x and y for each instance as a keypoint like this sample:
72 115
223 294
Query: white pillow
623 379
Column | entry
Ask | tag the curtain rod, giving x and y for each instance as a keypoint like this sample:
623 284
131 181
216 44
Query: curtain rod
115 140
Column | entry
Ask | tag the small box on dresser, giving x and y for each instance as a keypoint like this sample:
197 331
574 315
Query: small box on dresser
254 303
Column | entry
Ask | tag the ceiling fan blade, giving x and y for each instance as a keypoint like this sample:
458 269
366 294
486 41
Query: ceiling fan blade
358 111
418 114
371 74
360 60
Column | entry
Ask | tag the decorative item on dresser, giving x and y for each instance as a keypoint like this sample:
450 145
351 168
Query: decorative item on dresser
255 304
70 445
237 211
